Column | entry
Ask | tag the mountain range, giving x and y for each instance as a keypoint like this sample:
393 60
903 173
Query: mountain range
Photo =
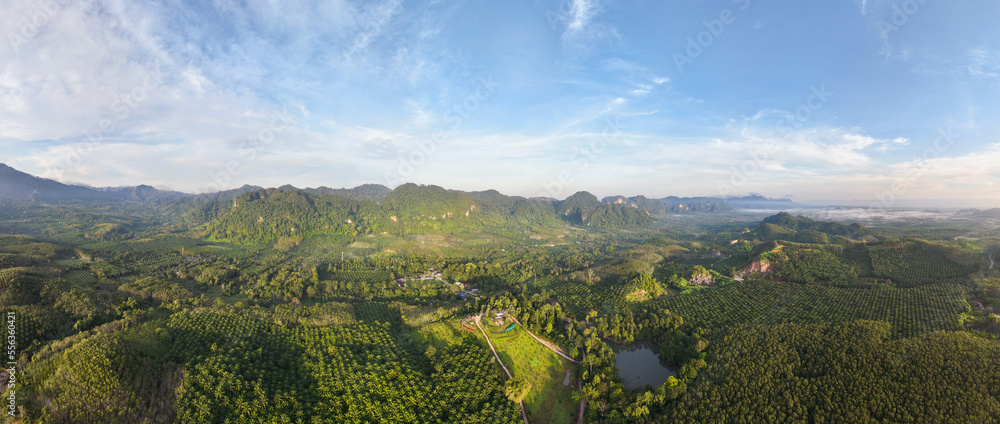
17 186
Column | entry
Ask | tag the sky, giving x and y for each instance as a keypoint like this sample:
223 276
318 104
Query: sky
871 100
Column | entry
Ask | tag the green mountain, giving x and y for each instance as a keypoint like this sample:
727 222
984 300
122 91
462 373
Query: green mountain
373 192
576 208
516 210
414 202
584 209
265 215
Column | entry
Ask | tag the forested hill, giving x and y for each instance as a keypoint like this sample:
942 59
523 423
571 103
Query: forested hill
583 208
785 226
268 214
798 249
373 192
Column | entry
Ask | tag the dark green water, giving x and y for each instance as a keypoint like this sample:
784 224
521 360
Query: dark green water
639 364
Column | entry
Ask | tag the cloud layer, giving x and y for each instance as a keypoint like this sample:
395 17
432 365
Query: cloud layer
540 99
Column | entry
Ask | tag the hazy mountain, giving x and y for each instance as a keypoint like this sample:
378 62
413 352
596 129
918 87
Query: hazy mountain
670 204
142 194
19 186
756 201
378 206
673 204
695 204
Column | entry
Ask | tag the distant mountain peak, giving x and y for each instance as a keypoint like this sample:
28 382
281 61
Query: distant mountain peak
20 186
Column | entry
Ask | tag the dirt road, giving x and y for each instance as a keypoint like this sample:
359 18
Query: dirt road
524 412
551 347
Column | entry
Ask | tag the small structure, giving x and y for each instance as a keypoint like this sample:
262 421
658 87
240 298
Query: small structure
498 319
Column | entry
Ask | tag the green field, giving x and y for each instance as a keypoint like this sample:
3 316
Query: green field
549 401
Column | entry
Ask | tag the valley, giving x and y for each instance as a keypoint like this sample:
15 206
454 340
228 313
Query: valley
422 304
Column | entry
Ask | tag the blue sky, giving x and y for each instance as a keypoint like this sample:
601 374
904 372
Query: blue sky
811 99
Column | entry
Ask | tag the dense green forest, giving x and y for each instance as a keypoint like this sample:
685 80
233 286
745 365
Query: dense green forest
852 372
334 305
266 215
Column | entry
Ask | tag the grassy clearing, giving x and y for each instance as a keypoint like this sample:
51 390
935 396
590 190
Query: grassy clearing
420 315
549 401
439 334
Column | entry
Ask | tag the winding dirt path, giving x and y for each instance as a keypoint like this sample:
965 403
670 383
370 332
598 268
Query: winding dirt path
524 412
551 346
490 342
991 261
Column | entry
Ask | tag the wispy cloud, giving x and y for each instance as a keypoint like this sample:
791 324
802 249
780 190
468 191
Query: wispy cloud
618 64
642 79
581 12
984 63
832 149
376 21
641 90
582 30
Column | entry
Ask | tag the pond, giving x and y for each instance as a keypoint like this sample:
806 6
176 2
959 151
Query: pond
639 364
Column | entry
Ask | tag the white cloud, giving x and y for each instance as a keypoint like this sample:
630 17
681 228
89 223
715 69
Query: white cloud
359 79
861 142
934 174
216 82
581 12
615 103
830 148
643 90
984 64
581 30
